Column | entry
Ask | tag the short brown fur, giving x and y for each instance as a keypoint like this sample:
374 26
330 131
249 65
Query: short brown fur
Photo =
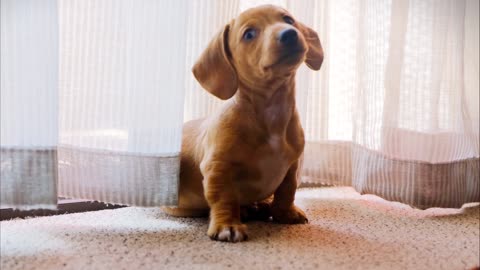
248 151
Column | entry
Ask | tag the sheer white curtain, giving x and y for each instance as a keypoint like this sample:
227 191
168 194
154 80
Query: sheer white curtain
394 110
121 94
402 116
94 93
100 84
29 97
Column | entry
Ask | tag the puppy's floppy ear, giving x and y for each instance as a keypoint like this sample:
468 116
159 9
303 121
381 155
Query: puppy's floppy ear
315 52
214 71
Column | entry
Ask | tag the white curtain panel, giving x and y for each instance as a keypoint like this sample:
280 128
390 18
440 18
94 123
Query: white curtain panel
400 114
394 110
122 66
103 83
29 98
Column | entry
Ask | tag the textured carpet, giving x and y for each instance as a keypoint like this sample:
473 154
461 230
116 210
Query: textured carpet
346 231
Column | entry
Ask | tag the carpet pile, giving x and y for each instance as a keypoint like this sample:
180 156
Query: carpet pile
346 231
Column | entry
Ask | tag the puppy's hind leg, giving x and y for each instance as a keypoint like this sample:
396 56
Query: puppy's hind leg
257 211
283 208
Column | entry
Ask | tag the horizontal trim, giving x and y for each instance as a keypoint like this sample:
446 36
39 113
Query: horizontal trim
29 207
350 144
119 153
65 206
28 148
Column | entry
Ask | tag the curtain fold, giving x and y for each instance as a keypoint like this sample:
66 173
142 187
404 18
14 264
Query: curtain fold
29 97
121 92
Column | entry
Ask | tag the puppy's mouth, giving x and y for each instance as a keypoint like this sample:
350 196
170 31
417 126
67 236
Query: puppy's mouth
289 57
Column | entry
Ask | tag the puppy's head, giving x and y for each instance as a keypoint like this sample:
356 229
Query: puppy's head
262 47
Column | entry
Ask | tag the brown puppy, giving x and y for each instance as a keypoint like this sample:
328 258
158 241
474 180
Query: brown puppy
249 150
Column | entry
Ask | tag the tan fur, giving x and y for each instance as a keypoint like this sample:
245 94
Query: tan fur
248 150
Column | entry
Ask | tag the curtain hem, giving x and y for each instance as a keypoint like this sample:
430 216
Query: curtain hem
28 178
417 183
112 177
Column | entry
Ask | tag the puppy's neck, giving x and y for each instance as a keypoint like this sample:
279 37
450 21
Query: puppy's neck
273 107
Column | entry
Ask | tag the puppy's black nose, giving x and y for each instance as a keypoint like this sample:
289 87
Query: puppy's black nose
288 37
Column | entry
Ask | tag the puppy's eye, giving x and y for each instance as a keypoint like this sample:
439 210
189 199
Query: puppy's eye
249 34
288 19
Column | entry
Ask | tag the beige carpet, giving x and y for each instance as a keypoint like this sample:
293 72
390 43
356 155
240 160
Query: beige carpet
346 231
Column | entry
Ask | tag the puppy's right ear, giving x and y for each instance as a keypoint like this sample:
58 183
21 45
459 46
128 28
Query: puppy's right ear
214 71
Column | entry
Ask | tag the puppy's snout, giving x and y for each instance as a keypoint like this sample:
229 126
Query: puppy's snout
288 37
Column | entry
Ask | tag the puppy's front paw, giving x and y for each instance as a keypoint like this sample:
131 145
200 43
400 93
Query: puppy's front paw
292 215
227 232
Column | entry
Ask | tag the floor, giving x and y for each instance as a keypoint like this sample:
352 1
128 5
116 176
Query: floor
346 231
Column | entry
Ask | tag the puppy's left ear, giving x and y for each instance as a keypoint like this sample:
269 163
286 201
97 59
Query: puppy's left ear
315 52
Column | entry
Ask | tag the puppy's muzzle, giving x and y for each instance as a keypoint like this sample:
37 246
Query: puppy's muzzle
288 37
290 45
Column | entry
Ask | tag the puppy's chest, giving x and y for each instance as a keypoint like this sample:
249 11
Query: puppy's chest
271 163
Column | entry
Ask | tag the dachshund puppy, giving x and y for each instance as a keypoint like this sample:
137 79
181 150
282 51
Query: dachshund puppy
248 150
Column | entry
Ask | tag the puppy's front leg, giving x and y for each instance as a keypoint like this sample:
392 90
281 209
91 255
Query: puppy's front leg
283 210
225 224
